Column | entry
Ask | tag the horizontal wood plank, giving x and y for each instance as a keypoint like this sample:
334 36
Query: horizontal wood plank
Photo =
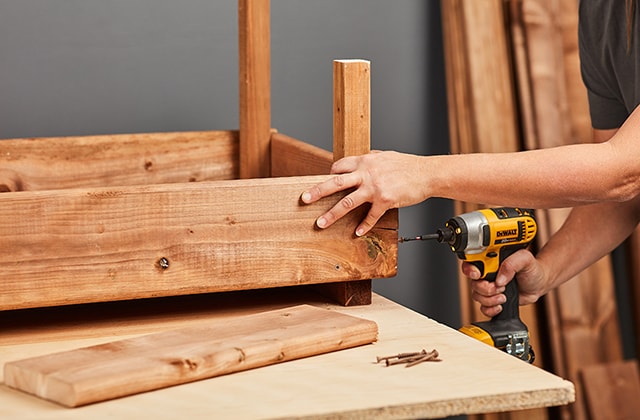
88 245
123 159
130 366
291 157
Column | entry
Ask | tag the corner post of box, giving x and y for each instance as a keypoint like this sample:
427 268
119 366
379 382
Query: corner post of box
351 137
351 108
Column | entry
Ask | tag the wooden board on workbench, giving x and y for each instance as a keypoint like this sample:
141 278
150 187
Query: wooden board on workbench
471 378
130 366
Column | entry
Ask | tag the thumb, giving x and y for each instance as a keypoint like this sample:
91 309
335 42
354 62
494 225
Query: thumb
511 266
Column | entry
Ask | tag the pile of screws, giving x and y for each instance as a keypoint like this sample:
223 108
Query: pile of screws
410 359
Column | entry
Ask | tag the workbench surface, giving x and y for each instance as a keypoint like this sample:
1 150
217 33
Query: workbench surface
471 377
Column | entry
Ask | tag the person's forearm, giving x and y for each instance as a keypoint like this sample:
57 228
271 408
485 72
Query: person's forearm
589 233
560 177
564 176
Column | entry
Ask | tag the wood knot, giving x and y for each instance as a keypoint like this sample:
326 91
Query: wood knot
185 364
374 247
241 354
10 181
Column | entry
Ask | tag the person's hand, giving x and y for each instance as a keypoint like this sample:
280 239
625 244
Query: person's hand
384 179
531 279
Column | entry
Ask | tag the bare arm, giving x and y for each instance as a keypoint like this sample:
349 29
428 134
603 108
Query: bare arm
589 233
565 176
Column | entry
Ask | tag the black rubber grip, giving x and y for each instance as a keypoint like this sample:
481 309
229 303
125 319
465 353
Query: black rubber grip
511 308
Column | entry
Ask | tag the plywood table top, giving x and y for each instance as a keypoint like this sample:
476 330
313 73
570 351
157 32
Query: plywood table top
471 378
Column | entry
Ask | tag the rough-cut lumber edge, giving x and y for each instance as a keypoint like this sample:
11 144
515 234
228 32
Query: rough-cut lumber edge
130 366
612 389
351 136
291 157
90 245
255 87
52 163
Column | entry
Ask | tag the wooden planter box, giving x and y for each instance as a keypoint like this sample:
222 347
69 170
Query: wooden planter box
115 217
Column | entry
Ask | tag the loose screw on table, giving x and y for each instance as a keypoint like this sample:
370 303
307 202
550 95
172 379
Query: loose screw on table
411 359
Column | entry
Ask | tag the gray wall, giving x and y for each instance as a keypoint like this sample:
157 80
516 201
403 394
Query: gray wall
75 67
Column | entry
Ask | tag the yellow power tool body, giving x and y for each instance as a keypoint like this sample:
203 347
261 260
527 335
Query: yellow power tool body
485 238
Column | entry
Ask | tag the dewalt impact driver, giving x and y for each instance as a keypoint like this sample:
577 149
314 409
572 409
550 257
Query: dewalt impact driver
485 238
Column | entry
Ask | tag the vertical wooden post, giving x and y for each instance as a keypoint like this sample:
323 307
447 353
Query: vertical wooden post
351 108
351 136
255 88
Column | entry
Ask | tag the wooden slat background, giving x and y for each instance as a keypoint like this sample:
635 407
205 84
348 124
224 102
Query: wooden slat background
534 49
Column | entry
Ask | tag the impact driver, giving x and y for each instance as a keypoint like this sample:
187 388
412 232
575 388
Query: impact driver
485 238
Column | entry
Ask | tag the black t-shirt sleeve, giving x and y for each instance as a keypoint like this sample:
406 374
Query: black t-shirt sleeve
607 111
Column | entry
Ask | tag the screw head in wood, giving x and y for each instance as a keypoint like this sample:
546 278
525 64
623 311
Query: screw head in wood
163 263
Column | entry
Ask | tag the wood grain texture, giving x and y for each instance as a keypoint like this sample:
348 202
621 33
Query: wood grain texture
88 245
255 87
351 108
480 90
114 160
130 366
612 390
351 137
291 157
340 384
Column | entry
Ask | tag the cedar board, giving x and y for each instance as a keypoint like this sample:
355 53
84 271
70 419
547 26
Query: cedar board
116 369
101 244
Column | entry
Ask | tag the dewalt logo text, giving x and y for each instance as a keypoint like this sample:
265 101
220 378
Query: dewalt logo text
508 232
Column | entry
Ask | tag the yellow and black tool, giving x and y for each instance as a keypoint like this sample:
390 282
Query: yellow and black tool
485 238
